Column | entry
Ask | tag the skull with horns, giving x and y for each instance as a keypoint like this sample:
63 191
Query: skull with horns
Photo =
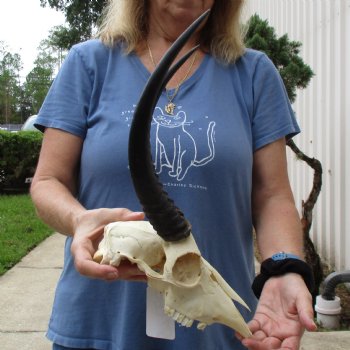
164 247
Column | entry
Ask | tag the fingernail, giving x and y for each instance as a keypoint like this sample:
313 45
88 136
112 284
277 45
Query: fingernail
112 275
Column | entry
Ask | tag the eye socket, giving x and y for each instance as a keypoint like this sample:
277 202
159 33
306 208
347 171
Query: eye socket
159 268
187 269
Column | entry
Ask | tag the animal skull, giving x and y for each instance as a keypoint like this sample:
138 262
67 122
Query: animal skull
192 288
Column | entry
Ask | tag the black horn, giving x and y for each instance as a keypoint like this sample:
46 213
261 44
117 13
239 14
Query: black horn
165 217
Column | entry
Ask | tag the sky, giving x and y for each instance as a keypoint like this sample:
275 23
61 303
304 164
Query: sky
23 24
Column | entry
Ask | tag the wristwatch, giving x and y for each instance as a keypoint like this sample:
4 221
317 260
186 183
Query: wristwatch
280 264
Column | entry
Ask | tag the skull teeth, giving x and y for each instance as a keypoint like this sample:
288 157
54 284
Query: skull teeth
187 322
168 311
201 326
178 317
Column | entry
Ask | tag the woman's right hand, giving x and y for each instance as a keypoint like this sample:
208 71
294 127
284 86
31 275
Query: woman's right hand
88 233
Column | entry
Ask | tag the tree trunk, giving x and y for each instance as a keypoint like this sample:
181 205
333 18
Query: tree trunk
311 254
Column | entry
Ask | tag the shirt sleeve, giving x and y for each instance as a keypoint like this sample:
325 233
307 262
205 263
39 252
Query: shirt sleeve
66 105
273 117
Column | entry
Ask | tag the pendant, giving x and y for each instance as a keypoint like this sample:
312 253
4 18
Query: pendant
170 107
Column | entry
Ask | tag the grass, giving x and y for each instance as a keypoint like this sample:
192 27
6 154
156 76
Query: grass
20 229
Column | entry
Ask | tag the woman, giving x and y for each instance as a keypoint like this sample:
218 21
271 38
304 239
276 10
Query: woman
219 148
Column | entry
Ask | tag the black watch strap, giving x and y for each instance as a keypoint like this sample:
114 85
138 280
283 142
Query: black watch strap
273 268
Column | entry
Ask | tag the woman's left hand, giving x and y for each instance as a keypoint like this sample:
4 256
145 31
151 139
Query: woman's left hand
87 235
284 311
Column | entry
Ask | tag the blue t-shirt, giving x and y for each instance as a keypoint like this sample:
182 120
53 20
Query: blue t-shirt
204 157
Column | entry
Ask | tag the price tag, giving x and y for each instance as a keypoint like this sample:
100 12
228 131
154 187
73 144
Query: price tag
158 324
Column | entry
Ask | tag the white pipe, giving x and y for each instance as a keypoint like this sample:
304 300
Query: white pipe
328 312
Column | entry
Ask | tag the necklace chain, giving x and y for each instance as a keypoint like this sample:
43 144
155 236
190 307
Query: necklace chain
170 106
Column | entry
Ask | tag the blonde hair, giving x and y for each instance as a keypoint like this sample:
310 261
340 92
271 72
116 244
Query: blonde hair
127 21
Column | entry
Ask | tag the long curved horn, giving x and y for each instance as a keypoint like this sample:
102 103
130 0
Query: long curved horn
165 217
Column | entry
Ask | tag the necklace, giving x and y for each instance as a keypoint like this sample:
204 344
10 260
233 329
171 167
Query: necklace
170 106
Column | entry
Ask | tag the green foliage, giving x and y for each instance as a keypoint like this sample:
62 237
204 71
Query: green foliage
19 153
40 78
81 16
10 89
19 100
20 230
62 38
36 86
283 53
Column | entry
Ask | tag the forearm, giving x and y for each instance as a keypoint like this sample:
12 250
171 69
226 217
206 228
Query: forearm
278 227
56 205
55 181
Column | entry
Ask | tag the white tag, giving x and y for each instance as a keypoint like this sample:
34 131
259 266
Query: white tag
158 324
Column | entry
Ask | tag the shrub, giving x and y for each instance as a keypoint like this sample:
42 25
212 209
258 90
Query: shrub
284 53
19 153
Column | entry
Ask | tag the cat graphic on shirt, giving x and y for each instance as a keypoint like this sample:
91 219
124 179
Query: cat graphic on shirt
181 153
